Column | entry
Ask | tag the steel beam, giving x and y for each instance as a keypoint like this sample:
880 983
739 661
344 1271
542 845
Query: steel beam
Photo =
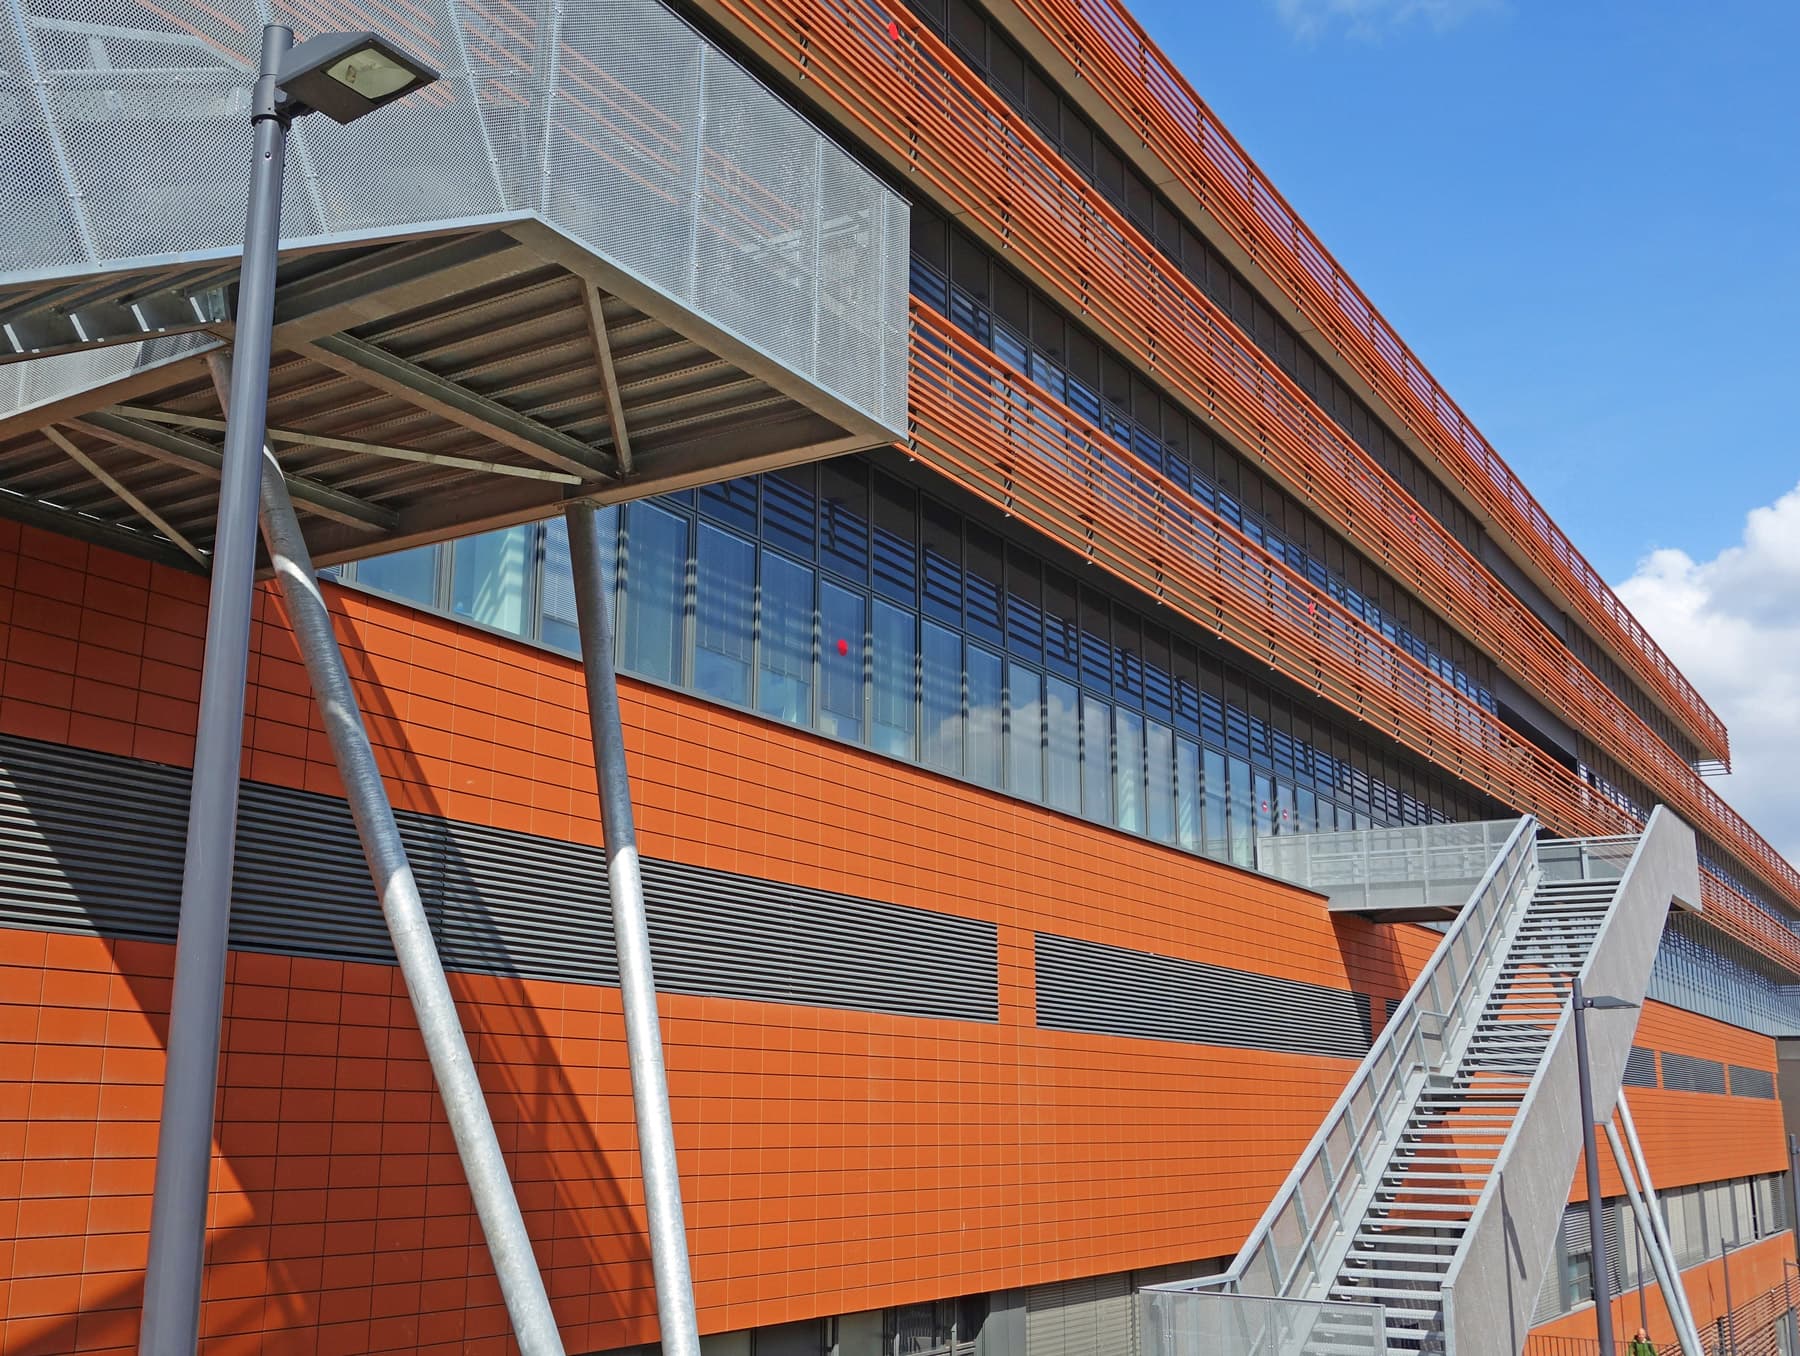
680 1335
609 379
509 1245
204 459
125 495
375 366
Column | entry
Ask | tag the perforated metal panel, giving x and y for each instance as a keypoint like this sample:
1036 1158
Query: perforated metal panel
93 843
1087 986
124 135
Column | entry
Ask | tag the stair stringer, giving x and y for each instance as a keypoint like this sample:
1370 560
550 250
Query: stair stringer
1492 1286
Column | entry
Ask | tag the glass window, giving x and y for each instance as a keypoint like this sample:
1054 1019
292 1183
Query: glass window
895 661
1159 774
724 614
1061 625
1128 776
1025 731
943 563
984 721
490 576
1188 795
1306 811
1243 817
1287 819
652 622
896 551
1265 805
1216 793
1062 741
558 626
982 585
844 504
1024 605
1096 642
840 661
790 510
785 665
411 575
941 724
1096 759
731 501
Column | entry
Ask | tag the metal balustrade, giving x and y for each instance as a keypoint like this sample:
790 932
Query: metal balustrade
999 435
1418 870
1299 1242
929 113
1131 74
1174 1320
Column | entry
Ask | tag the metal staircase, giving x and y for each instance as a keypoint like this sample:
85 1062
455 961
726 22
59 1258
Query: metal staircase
1450 1144
1422 1216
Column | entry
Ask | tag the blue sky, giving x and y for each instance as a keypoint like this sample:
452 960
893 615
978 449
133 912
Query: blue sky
1583 215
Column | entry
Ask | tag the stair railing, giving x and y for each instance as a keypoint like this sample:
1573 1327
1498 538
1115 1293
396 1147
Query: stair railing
1287 1254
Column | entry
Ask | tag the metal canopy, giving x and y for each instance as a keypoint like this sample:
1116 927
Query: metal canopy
596 260
423 386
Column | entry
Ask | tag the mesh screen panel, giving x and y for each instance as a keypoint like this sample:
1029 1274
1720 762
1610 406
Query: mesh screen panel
124 134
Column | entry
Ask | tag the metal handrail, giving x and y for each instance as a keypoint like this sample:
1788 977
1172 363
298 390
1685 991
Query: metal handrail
1283 1255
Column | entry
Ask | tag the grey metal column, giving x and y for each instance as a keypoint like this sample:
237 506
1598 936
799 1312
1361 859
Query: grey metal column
1666 1275
631 938
509 1245
171 1324
1600 1266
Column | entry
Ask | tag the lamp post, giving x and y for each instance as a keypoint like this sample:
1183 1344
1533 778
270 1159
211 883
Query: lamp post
1579 1004
344 76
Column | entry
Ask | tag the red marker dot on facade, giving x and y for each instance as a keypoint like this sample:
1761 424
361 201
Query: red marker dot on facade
843 647
893 30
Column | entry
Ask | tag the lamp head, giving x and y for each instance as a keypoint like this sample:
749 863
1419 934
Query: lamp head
345 75
1606 1003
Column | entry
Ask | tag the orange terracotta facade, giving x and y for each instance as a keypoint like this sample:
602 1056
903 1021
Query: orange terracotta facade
833 1161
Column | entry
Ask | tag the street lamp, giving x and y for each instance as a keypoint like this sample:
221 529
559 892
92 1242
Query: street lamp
1579 1004
343 75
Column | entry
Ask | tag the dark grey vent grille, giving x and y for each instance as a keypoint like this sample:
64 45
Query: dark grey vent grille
1088 986
1752 1083
1640 1068
92 843
1685 1073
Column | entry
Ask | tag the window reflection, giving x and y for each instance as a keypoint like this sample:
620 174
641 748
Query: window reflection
490 575
724 614
784 678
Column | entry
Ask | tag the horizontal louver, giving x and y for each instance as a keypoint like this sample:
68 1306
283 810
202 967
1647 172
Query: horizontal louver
1752 1082
1640 1068
93 843
1687 1073
1087 986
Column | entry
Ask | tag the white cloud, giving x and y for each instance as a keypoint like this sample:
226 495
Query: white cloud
1367 18
1732 624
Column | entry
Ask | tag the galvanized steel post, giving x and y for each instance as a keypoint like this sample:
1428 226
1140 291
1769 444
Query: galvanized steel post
171 1320
631 939
521 1284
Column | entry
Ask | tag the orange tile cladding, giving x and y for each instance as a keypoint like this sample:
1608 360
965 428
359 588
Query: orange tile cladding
833 1160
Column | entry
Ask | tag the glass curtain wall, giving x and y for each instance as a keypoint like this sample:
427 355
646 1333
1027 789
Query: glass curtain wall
840 599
